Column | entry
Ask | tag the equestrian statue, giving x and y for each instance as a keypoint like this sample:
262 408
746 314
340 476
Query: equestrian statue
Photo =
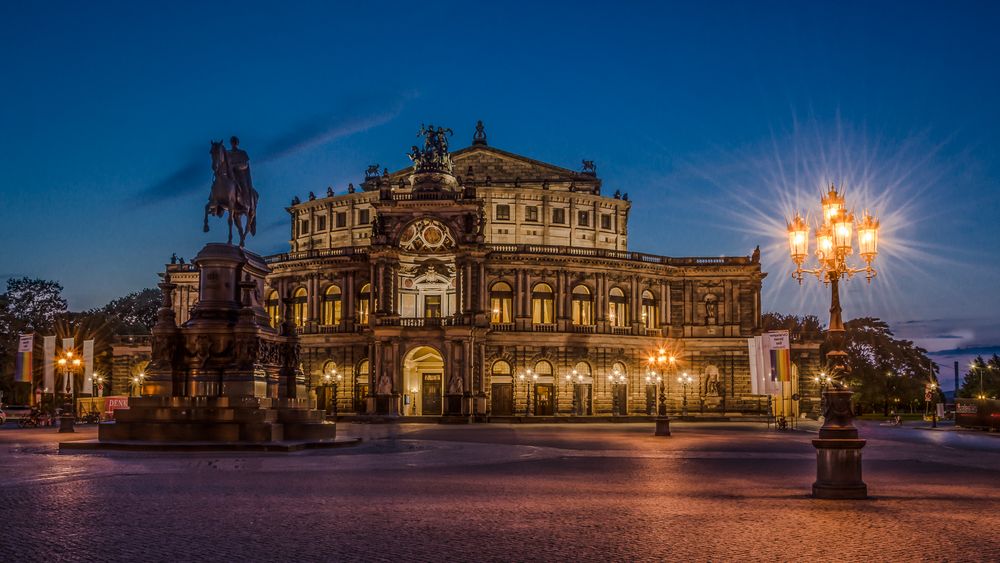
232 189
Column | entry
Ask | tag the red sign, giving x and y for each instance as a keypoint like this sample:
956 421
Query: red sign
112 403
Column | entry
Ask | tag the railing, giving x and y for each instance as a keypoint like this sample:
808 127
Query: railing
529 249
420 322
426 196
502 327
652 331
588 329
621 330
617 255
322 253
543 327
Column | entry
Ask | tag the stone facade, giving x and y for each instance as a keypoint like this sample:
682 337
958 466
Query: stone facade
504 286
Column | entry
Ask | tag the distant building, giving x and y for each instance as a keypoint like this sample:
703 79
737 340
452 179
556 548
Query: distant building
483 282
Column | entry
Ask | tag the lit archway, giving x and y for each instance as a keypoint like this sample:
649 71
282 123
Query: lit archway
423 382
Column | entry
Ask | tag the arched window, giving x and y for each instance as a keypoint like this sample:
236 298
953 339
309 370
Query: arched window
618 313
501 367
650 311
332 310
583 306
330 367
542 304
501 303
299 299
582 372
543 369
362 375
273 306
364 303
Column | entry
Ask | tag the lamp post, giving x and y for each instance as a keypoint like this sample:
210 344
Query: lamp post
527 392
838 449
98 383
662 361
616 378
685 380
69 364
571 382
823 380
413 393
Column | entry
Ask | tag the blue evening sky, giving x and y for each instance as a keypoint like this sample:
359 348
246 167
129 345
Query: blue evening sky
718 119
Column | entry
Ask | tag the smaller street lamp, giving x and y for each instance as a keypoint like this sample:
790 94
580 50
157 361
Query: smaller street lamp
70 364
685 380
527 391
98 385
823 380
413 393
616 378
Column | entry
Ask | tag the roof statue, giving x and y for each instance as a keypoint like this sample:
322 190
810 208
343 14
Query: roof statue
232 189
589 168
479 137
434 156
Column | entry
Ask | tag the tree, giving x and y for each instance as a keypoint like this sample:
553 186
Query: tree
982 379
133 314
28 305
886 371
807 327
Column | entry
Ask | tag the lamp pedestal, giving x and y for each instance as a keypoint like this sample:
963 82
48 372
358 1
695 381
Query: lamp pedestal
662 420
838 451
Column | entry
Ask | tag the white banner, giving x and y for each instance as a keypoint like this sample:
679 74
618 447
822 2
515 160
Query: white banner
752 351
48 364
88 363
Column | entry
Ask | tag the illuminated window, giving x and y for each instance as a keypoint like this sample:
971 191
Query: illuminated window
299 302
650 311
618 314
501 367
543 368
332 305
542 304
432 306
583 306
364 303
273 306
501 303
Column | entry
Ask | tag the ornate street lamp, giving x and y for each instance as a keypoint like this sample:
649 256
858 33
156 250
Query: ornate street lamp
823 380
413 393
69 364
685 380
663 361
838 449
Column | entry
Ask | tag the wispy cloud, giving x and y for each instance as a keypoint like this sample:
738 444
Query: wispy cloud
352 117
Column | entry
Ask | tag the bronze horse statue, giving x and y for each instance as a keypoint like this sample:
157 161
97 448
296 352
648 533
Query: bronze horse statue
228 195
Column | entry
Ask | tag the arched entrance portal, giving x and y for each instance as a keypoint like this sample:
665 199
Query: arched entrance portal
423 381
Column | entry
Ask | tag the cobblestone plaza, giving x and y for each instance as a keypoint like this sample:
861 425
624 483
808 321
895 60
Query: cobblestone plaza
505 493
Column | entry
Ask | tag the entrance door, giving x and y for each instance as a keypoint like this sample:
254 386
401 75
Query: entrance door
582 398
430 394
502 403
360 396
650 399
620 398
543 400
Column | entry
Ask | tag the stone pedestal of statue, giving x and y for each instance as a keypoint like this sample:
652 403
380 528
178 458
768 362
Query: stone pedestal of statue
838 451
225 375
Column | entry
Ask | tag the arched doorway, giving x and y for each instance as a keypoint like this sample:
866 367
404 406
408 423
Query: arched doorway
423 379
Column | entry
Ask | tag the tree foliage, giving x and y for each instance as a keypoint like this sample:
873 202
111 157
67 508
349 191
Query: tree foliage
982 379
885 372
133 314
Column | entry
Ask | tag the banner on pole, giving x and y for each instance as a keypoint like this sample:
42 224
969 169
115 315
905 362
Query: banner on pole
48 364
23 366
779 355
88 361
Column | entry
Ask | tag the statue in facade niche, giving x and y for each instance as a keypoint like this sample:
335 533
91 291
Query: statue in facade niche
455 386
232 190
